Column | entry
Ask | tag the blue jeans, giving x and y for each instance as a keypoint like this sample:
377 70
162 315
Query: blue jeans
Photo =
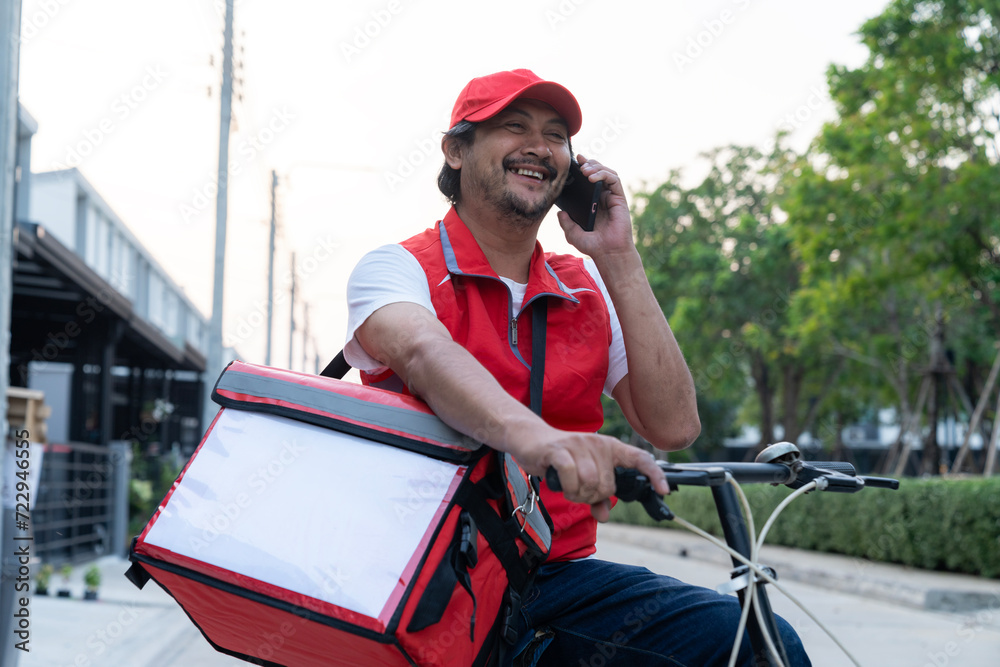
593 613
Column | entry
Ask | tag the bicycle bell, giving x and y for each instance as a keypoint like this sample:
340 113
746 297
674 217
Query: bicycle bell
784 453
780 452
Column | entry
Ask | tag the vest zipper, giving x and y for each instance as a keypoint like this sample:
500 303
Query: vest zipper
513 330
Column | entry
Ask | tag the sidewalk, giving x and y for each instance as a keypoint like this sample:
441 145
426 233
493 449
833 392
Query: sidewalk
920 589
127 627
885 615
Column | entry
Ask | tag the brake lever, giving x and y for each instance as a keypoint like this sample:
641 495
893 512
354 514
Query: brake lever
881 482
832 480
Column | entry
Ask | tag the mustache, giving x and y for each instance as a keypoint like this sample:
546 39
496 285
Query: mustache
543 165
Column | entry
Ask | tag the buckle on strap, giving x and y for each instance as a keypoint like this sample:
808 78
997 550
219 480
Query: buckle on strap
468 547
527 507
508 629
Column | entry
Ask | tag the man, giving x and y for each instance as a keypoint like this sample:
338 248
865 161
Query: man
453 314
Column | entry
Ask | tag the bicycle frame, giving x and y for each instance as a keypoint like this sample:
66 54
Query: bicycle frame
734 528
780 463
791 471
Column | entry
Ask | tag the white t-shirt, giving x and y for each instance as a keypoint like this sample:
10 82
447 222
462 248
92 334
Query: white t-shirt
391 274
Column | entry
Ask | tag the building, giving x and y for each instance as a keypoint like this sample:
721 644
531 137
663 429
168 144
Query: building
115 344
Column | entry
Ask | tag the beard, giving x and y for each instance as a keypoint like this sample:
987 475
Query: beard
492 188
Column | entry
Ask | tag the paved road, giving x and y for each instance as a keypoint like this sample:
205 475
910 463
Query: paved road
884 627
879 633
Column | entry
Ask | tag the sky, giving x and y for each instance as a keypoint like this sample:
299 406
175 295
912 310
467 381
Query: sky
346 102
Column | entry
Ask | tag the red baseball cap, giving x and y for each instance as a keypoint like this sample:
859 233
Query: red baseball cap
486 96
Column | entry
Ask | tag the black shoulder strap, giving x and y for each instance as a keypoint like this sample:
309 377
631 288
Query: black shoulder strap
337 368
539 315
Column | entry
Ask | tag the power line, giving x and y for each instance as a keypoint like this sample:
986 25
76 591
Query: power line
270 268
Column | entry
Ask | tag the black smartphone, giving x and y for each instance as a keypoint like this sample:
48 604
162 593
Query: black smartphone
580 198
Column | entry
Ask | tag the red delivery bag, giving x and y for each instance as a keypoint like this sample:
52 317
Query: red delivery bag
322 522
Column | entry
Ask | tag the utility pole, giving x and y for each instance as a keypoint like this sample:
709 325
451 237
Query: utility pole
10 33
214 364
291 333
270 268
305 339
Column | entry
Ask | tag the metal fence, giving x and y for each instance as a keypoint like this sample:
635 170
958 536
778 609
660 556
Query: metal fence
80 504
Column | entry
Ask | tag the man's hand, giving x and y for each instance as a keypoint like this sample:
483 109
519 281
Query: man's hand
585 462
657 395
612 232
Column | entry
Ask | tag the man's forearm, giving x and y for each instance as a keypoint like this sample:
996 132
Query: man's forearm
418 348
660 386
467 397
464 394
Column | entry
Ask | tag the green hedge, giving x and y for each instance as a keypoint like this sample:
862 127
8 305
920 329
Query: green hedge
936 524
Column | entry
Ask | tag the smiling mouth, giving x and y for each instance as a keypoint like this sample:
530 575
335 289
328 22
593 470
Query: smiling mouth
530 173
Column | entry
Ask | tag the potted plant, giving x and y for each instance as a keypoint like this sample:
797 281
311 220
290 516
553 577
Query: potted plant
66 570
92 580
42 579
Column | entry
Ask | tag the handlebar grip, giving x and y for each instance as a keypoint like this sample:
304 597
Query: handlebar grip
552 479
843 467
630 484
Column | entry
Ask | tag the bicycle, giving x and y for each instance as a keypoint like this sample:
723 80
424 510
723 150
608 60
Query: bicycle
780 463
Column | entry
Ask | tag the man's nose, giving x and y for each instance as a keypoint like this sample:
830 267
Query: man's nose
535 144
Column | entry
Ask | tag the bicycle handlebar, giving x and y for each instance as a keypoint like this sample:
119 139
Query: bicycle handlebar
837 476
780 463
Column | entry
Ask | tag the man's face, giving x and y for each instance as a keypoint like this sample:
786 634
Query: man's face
518 163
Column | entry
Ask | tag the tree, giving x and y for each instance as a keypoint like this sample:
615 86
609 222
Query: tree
721 263
898 214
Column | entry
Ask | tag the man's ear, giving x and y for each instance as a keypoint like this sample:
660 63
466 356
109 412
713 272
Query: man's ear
452 149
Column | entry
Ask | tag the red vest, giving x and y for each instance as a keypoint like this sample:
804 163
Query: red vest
474 305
